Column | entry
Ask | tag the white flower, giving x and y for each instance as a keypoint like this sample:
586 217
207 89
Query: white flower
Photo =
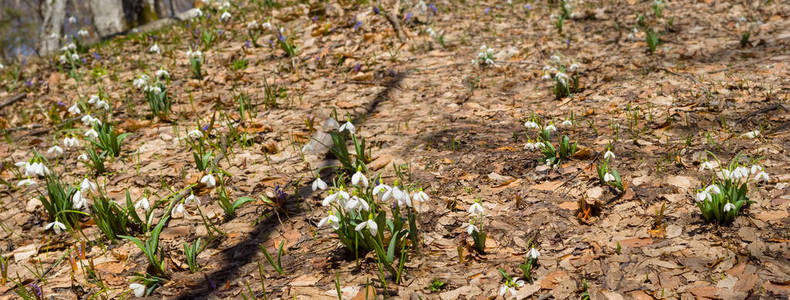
562 78
381 188
332 220
420 196
359 177
142 203
531 125
208 180
138 289
550 128
90 133
728 207
608 155
2 66
56 226
102 104
546 76
755 169
75 109
62 59
357 204
224 5
347 126
330 124
224 17
705 165
529 146
191 199
55 149
713 189
331 198
573 67
195 134
27 181
198 12
476 209
702 196
89 120
533 253
75 56
608 177
71 142
555 59
567 123
72 20
179 209
751 134
82 157
762 176
155 49
740 172
71 46
319 184
93 99
370 225
141 81
253 25
162 73
78 200
267 25
194 54
471 228
402 197
507 292
87 185
726 174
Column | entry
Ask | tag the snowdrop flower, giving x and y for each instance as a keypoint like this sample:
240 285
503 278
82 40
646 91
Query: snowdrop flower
401 196
573 67
2 66
75 109
208 180
191 199
319 184
381 188
332 220
75 56
713 189
253 25
82 33
155 49
507 292
702 196
338 196
726 174
142 203
140 82
537 145
762 176
195 134
138 289
567 123
93 99
608 177
62 59
162 73
728 207
71 46
89 120
102 104
87 185
476 209
359 177
370 225
357 204
533 253
194 54
546 76
72 20
755 169
740 172
471 228
55 149
705 165
531 125
224 17
198 12
267 25
555 59
608 155
420 196
56 226
179 209
224 5
78 200
751 134
90 133
347 126
71 142
27 181
82 157
330 124
550 128
562 78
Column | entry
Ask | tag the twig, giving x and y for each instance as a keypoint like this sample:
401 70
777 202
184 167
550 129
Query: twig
390 16
12 100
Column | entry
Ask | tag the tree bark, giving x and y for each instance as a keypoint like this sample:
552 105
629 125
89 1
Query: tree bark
54 13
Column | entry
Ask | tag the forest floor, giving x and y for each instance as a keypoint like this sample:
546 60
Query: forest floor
431 119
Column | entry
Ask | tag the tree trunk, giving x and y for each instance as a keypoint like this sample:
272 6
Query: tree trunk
108 16
54 13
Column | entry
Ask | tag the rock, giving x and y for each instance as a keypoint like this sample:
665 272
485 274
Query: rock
595 193
32 205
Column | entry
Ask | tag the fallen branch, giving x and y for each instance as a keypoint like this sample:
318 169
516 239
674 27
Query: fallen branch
13 100
391 17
